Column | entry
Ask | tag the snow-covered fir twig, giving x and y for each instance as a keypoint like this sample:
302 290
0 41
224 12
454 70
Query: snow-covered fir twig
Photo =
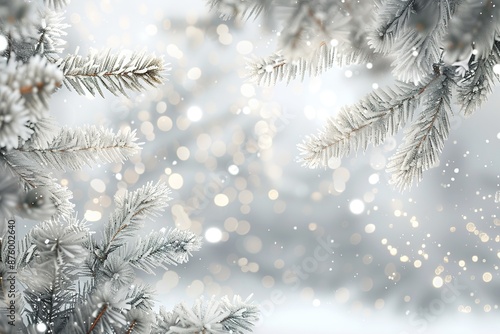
439 50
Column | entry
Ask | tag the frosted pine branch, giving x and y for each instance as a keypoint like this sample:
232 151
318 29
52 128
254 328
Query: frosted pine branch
131 210
56 4
474 24
210 316
101 311
418 48
52 32
391 19
74 148
114 72
478 83
272 69
379 115
160 249
244 9
424 140
31 177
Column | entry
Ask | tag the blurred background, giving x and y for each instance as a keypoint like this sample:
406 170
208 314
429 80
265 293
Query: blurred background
333 250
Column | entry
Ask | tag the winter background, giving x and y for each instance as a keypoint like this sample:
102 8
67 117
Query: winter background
422 261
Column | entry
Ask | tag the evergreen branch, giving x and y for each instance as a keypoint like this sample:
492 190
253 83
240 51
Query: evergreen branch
141 297
44 132
130 212
244 9
475 22
56 4
74 148
379 115
138 321
50 278
115 72
418 48
392 18
13 118
268 71
242 314
163 248
32 177
424 140
223 316
100 312
52 31
478 83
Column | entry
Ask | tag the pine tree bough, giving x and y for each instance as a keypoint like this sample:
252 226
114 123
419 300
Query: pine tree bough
438 49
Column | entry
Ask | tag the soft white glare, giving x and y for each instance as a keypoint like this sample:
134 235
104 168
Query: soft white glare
213 234
194 114
3 43
357 206
496 69
41 328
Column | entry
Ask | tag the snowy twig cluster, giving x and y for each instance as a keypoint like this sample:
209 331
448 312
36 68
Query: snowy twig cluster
438 48
32 69
70 280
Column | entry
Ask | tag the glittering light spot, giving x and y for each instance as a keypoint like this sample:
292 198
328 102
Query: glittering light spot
487 277
342 295
379 304
92 216
230 224
273 194
375 85
316 302
267 281
175 181
161 107
174 51
496 68
194 73
245 197
471 227
213 235
370 228
41 327
437 282
233 169
3 43
374 179
244 47
194 114
484 237
348 74
253 244
417 263
404 258
243 227
169 281
247 90
195 289
334 42
164 123
98 185
369 66
334 162
183 153
221 200
357 206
